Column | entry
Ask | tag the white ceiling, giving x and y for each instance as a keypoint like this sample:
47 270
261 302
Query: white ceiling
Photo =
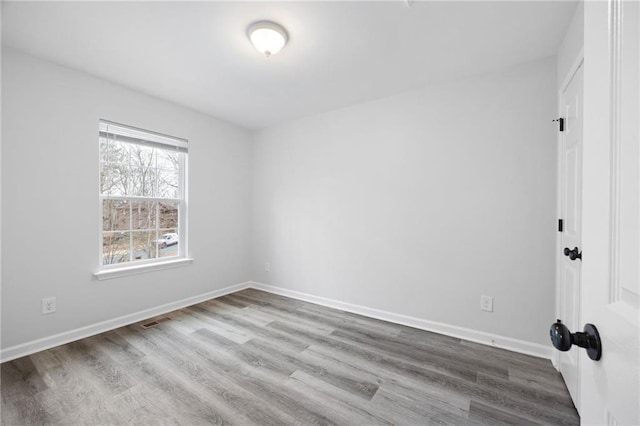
339 53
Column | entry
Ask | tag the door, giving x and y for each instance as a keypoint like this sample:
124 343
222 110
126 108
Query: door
610 388
570 212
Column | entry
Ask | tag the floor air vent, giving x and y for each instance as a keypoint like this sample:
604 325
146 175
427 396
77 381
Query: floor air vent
154 322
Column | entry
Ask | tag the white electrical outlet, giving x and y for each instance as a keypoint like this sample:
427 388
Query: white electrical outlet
486 303
48 305
267 266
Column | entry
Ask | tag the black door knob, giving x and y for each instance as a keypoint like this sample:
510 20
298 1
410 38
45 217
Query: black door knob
573 254
589 339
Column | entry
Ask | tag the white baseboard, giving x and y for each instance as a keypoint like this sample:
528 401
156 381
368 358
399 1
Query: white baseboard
38 345
503 342
482 337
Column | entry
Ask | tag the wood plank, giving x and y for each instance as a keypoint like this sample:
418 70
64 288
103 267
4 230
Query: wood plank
324 371
204 372
481 415
341 404
402 385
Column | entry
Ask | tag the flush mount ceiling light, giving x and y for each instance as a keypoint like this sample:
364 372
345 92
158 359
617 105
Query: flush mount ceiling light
268 37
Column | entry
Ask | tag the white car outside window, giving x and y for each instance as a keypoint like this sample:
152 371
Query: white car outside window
168 240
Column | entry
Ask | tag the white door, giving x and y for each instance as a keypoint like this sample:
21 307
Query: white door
570 214
610 388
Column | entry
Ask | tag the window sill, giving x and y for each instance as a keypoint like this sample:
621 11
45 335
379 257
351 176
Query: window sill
141 269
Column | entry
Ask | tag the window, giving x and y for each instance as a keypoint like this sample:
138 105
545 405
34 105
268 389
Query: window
142 196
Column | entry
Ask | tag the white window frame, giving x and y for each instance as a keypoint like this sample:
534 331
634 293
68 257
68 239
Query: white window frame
154 139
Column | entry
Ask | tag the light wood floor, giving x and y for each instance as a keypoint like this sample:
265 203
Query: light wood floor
257 358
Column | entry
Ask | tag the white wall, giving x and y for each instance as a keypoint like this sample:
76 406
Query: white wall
50 200
570 50
419 203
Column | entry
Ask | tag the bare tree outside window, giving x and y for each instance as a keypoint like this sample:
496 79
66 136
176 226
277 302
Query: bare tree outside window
142 198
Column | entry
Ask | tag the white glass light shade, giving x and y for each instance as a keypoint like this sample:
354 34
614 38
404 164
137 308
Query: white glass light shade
268 37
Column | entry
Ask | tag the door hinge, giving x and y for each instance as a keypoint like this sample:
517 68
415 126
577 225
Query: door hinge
560 225
560 123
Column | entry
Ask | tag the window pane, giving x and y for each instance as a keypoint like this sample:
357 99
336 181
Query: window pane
168 215
168 184
169 160
115 215
168 243
143 182
144 245
114 152
114 179
143 215
143 157
115 247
